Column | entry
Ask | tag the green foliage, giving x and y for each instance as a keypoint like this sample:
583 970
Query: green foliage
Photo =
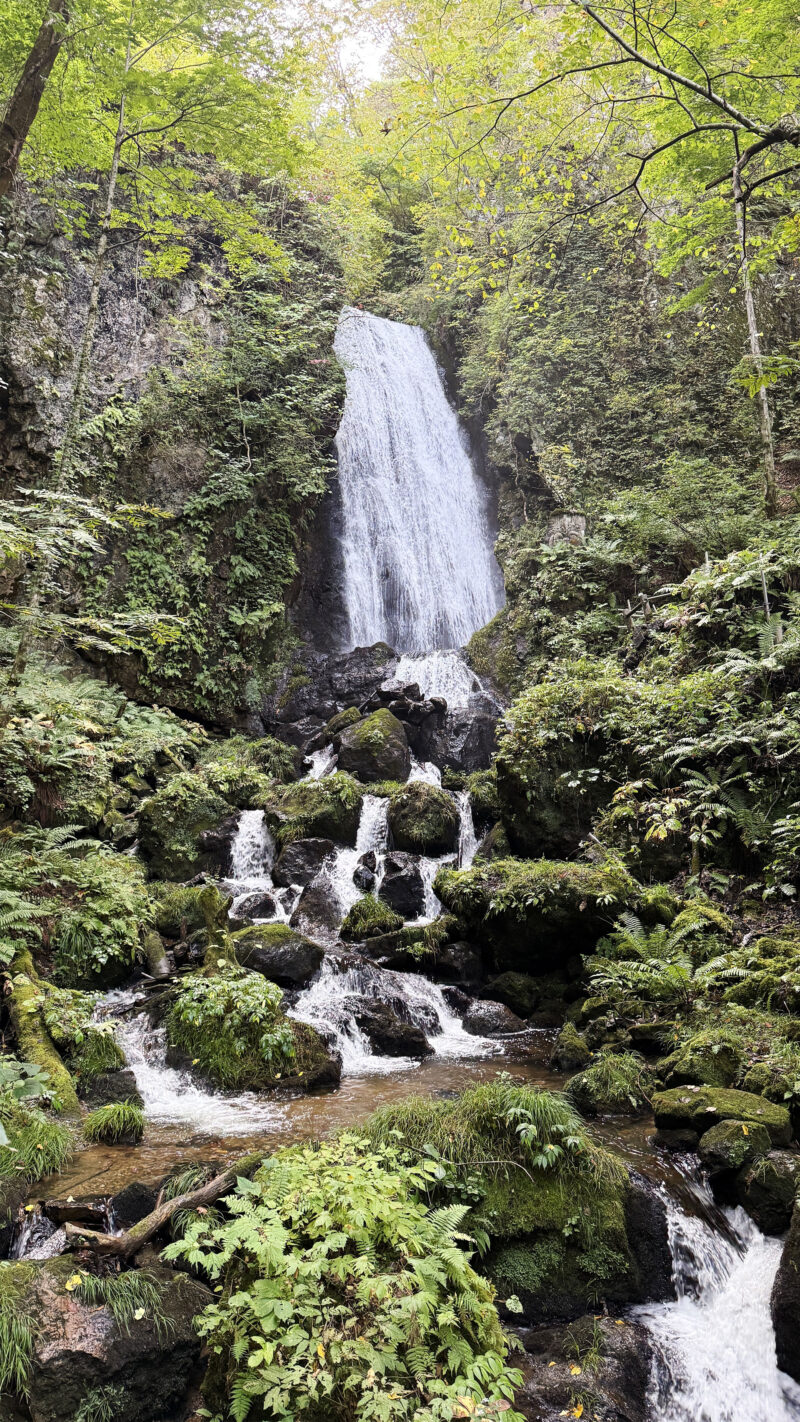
344 1290
329 808
130 1297
34 1146
17 1329
101 1404
232 1027
90 1048
423 819
369 918
120 1121
614 1084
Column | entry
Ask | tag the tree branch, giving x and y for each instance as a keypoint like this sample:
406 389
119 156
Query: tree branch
126 1245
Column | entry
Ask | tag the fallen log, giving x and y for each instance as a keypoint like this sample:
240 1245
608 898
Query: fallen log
127 1244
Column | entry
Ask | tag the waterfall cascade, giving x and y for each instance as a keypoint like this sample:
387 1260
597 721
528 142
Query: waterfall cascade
418 567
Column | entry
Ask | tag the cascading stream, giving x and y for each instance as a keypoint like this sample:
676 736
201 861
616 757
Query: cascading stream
419 570
715 1357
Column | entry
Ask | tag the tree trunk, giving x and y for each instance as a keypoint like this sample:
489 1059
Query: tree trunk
125 1246
24 103
764 418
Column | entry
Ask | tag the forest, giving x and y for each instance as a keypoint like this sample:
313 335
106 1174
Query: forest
399 710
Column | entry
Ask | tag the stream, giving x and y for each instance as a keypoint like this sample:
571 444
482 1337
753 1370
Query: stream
419 573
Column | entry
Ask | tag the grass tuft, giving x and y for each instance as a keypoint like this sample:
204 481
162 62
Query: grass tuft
120 1121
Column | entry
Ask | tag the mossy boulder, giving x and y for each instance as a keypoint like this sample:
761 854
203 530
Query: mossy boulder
731 1144
767 1189
698 1108
571 1051
279 953
537 914
369 918
518 991
481 787
329 808
423 819
375 748
785 1302
170 825
615 1085
710 1058
494 845
181 912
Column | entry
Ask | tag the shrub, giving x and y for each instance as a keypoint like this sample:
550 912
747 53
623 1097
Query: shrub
369 918
121 1121
345 1295
423 818
232 1027
31 1145
613 1085
90 1048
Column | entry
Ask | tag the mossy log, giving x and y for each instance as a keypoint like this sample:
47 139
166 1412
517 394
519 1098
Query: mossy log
34 1043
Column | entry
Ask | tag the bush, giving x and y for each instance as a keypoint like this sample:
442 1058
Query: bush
90 1048
233 1028
374 1309
31 1145
122 1122
327 809
369 918
614 1085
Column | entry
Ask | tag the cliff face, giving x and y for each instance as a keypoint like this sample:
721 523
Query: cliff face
211 406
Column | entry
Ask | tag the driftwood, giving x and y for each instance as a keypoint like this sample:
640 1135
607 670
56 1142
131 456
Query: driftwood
124 1246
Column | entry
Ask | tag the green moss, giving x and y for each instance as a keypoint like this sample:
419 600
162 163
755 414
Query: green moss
615 1085
423 819
731 1144
172 820
369 918
709 1058
341 721
481 786
700 1108
329 808
34 1044
179 912
375 748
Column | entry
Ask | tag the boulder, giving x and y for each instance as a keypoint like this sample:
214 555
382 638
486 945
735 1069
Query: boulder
402 886
259 905
732 1144
171 823
491 1019
616 1084
301 861
109 1087
329 808
698 1108
132 1204
766 1189
458 963
707 1059
621 1350
785 1303
317 910
388 1034
369 918
375 748
278 953
424 819
517 990
78 1348
570 1052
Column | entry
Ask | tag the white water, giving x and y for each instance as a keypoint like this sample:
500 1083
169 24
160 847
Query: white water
325 1006
467 838
715 1355
252 858
323 762
418 567
439 674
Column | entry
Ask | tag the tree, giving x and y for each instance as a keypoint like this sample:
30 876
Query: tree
23 105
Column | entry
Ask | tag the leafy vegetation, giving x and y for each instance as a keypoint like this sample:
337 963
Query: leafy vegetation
233 1027
121 1122
369 918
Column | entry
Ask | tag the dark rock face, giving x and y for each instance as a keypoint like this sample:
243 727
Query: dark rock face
766 1189
301 861
517 990
317 909
285 957
109 1087
618 1384
402 887
216 842
786 1302
648 1236
327 685
375 748
388 1035
458 963
79 1348
491 1019
260 905
132 1204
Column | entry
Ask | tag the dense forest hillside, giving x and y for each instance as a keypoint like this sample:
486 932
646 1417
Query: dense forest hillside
399 1023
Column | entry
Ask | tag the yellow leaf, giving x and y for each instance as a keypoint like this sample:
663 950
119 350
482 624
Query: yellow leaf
575 1370
745 1131
72 1283
578 1411
320 1352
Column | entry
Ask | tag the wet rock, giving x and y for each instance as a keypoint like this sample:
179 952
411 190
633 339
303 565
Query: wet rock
494 845
618 1382
766 1189
570 1052
132 1203
456 999
732 1144
12 1198
171 823
78 1347
278 952
707 1059
109 1087
92 1212
255 906
458 963
317 909
651 1038
680 1142
698 1108
375 748
216 844
648 1235
368 919
785 1303
301 861
491 1019
364 879
402 886
517 990
387 1034
317 686
424 819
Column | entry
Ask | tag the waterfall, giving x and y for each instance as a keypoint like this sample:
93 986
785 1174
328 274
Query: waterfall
419 571
715 1355
439 674
467 838
252 858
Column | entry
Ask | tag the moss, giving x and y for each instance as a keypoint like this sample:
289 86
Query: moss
375 748
329 808
25 1005
481 786
369 918
615 1085
731 1144
518 991
179 912
494 845
700 1108
423 819
710 1058
570 1052
537 913
171 822
341 721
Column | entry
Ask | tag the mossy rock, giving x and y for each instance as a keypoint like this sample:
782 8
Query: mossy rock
423 819
711 1058
767 1189
615 1085
537 914
171 823
340 722
278 952
369 918
481 787
494 845
329 808
571 1051
518 991
375 748
701 1107
731 1144
180 912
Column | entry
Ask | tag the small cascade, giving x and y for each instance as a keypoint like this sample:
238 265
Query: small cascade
327 1004
714 1345
322 762
37 1237
252 858
373 834
170 1095
426 771
467 838
439 674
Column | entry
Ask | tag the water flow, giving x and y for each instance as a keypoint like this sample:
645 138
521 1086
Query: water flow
252 858
323 762
328 1004
439 674
715 1357
419 571
373 834
467 838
